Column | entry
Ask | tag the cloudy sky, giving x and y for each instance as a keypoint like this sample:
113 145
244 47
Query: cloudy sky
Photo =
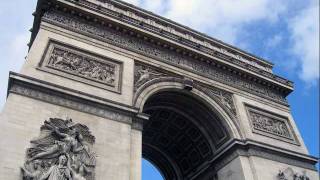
285 32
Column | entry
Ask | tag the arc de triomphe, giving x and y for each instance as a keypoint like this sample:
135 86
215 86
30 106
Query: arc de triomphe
106 83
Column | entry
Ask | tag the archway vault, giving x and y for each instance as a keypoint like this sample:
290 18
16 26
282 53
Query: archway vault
185 129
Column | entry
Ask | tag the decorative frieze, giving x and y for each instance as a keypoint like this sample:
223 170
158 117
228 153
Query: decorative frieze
82 66
62 100
63 151
175 33
269 124
289 174
139 45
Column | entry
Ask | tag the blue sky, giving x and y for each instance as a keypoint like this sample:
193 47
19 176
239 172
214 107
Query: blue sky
285 32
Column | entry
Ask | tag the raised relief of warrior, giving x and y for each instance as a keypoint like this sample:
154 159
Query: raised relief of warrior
67 142
60 171
60 60
289 174
63 146
31 171
80 65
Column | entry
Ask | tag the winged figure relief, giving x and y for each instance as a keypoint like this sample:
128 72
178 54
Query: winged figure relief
61 140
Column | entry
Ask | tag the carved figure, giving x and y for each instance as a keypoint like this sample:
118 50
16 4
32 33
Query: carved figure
61 171
145 74
59 140
60 60
68 61
289 174
67 142
32 173
269 124
281 175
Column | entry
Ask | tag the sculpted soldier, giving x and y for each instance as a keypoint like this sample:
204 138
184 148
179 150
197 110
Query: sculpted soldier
61 171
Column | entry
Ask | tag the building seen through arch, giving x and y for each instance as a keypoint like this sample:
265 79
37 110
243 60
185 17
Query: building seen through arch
106 84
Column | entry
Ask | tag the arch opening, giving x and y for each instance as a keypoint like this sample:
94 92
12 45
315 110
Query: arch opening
150 171
182 134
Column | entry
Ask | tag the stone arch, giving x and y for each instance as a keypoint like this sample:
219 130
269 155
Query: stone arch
201 130
177 84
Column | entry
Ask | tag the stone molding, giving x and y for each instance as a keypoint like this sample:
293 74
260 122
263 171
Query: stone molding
250 148
146 76
213 48
289 174
138 120
83 66
236 148
217 72
271 125
183 35
69 101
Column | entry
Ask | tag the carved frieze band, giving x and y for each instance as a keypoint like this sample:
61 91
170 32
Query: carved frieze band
138 45
272 125
61 100
289 174
169 31
82 66
263 153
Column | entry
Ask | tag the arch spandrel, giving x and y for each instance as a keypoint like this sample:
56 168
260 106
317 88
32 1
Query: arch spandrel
177 85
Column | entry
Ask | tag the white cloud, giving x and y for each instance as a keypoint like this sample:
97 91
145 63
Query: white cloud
134 2
305 35
12 58
274 41
156 6
223 19
17 50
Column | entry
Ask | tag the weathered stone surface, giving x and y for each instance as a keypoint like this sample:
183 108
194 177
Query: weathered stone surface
80 65
139 94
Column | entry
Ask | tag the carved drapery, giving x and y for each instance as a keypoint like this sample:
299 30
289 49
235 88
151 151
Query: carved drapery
62 151
270 124
161 53
82 66
61 100
289 174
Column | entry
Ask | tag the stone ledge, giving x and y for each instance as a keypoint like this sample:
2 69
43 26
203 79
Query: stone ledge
51 93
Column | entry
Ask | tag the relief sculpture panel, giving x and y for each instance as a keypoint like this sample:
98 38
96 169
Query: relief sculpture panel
289 174
82 66
272 125
63 151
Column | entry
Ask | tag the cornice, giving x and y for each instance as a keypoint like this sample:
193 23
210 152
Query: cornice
236 147
73 99
110 18
174 28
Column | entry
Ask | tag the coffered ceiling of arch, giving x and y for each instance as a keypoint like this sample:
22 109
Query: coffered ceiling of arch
183 129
